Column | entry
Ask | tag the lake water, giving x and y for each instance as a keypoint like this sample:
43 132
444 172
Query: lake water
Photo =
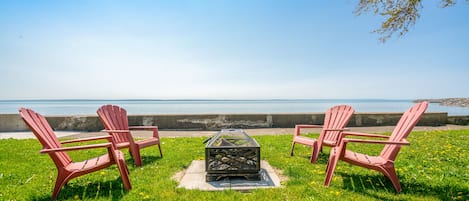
86 107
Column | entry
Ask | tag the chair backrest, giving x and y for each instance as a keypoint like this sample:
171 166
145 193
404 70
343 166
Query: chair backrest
334 118
115 118
403 128
46 136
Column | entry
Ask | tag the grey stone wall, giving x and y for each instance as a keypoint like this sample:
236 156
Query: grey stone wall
458 120
12 122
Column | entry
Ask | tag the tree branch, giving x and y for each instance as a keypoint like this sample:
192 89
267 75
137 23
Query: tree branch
399 15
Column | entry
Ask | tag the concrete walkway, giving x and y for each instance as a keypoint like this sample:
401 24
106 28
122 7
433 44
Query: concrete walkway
258 131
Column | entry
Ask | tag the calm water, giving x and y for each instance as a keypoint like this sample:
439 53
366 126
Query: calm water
82 107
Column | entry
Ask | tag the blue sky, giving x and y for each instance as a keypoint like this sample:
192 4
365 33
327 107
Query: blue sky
220 49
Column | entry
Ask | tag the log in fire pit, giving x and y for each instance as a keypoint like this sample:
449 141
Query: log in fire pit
231 152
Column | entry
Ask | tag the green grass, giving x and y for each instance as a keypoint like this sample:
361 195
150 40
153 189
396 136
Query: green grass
434 167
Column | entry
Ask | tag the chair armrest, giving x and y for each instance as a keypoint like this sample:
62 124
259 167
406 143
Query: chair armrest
115 131
125 133
152 128
336 129
142 127
109 138
403 142
365 134
93 146
300 126
308 126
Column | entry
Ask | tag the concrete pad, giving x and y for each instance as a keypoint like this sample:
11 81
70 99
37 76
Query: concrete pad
194 178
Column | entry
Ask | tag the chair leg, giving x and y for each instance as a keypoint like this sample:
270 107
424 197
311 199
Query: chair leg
292 148
124 172
59 183
159 147
390 172
135 151
333 160
314 153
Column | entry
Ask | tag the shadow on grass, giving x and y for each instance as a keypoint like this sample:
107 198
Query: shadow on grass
113 190
375 185
146 160
323 157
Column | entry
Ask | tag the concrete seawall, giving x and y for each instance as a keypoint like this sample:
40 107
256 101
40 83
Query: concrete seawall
12 122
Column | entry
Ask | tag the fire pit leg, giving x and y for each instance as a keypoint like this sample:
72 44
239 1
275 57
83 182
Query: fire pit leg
247 176
253 177
209 178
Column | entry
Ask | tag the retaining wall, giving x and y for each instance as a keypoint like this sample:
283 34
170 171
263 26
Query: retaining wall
458 120
12 122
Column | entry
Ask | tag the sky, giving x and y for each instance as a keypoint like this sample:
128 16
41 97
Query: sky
226 49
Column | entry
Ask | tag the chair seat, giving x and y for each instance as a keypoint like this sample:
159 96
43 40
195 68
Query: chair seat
330 143
142 143
148 142
123 145
363 158
303 140
97 163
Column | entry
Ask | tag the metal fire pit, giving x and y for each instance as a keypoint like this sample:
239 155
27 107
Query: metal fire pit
231 152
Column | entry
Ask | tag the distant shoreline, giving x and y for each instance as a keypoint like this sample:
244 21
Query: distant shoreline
456 102
146 106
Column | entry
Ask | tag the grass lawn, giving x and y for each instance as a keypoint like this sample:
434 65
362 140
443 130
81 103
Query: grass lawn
434 167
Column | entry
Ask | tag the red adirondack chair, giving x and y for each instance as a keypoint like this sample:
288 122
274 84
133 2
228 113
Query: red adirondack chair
66 168
383 163
116 123
335 120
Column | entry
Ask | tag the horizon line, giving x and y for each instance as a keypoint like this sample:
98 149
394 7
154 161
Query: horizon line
207 99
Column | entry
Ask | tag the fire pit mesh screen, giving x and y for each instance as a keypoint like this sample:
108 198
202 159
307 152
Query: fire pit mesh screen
232 153
232 138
